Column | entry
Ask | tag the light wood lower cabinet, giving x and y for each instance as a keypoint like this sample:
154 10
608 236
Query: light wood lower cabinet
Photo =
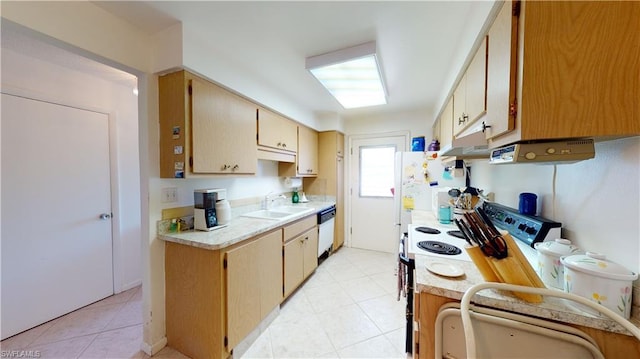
254 279
300 253
214 298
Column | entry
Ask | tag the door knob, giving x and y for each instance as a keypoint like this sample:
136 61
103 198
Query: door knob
105 216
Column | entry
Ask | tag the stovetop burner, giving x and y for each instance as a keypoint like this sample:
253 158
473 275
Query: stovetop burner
457 234
439 247
427 230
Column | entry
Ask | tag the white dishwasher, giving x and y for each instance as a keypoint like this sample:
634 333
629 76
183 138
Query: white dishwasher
326 225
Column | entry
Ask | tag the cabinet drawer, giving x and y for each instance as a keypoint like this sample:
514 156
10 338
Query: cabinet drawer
298 227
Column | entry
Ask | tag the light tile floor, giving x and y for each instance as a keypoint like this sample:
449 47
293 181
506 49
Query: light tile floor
346 309
110 328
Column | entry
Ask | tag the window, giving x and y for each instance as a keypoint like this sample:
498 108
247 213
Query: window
376 171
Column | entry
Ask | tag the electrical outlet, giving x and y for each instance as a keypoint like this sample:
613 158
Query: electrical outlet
169 195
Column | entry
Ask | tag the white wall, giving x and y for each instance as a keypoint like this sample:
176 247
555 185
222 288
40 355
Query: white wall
417 122
597 201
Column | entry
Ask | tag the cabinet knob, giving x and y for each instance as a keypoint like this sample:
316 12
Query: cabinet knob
225 167
284 145
279 144
235 168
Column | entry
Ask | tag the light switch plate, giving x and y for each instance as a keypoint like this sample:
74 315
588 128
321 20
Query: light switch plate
169 195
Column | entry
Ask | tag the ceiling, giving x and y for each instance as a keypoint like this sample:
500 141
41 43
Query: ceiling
422 44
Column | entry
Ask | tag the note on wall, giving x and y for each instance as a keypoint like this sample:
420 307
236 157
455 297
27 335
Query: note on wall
407 203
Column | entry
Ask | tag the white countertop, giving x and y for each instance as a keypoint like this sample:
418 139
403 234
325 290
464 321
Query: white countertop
239 229
551 308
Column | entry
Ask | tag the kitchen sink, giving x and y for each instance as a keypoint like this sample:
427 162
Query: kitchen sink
293 209
282 212
268 214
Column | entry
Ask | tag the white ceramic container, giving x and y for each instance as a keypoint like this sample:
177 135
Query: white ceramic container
550 269
593 277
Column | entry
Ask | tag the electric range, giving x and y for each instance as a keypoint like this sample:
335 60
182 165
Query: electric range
436 240
526 230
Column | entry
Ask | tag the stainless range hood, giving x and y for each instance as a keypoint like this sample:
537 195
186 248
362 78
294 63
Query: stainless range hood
469 146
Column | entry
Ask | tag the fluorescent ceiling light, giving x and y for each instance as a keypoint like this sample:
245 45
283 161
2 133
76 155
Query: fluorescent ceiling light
351 75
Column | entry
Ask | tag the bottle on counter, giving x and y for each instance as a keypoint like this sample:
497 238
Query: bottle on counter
295 198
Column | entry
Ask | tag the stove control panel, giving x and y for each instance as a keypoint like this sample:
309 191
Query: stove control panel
528 229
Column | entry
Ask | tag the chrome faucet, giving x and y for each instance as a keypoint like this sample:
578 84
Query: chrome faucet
270 198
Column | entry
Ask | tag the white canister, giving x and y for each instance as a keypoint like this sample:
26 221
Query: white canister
223 211
593 277
550 269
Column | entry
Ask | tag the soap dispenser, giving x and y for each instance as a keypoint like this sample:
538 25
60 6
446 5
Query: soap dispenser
295 198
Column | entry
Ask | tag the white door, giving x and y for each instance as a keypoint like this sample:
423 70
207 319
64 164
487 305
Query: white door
372 177
56 248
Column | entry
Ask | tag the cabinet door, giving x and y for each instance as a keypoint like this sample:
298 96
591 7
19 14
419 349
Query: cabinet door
269 265
243 292
476 84
276 131
310 247
501 64
307 151
223 130
293 264
446 124
459 104
470 97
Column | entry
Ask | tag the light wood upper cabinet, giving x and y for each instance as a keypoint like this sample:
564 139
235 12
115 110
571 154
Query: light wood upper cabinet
204 129
577 71
446 124
501 86
223 132
470 96
308 151
306 164
277 132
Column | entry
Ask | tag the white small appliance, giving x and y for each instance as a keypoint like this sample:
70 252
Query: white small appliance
204 212
440 197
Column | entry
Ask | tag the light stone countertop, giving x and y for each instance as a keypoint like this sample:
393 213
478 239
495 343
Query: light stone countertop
240 228
553 308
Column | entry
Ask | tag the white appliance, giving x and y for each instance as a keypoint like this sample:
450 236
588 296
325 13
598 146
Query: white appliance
437 236
417 176
326 227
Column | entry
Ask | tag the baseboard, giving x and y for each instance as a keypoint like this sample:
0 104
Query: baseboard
151 350
130 285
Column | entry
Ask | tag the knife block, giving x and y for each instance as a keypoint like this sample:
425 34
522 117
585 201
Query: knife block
514 269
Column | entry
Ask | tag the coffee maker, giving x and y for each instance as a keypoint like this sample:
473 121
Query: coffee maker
204 212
